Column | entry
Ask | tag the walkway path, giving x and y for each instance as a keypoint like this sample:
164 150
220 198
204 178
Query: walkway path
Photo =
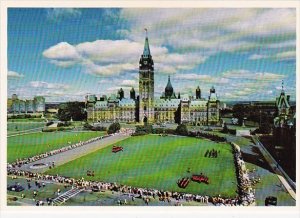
64 157
66 196
289 185
26 132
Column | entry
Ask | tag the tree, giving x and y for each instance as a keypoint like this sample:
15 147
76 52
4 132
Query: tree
265 128
74 110
182 130
114 127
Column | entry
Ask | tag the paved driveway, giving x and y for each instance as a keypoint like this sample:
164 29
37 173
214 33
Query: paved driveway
75 153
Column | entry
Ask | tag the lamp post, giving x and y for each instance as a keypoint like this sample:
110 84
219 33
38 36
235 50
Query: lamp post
259 118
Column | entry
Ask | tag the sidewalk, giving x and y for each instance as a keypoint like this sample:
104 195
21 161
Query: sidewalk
64 157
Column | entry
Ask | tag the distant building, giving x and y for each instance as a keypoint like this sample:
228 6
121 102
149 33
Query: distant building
19 106
284 133
145 108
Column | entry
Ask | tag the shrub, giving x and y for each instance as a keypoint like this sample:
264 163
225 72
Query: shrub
50 123
113 128
66 123
182 130
146 129
49 130
139 133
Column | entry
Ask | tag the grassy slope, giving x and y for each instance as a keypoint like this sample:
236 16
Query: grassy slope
22 126
158 162
37 143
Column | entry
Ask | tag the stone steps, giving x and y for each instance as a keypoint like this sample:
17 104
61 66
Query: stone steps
66 196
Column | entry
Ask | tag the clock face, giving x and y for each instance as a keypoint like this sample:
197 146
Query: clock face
145 62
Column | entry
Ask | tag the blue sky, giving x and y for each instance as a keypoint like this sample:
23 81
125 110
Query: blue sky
64 54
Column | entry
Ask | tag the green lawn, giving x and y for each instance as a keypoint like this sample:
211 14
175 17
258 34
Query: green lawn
36 143
16 127
158 162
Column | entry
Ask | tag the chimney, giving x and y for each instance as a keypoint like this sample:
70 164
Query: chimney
288 98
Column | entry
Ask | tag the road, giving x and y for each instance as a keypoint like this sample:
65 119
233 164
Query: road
64 157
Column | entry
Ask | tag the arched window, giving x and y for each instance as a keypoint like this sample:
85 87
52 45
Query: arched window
145 108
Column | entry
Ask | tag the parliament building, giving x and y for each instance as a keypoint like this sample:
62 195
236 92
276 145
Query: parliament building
146 108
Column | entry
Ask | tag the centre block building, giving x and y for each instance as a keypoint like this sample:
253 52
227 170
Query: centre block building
146 108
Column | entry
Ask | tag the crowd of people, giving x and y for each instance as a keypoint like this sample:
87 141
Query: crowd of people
142 193
20 162
212 153
246 193
126 131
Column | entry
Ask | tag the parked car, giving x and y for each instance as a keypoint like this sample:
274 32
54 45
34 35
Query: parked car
270 200
16 188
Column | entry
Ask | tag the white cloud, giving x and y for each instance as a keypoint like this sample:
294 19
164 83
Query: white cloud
192 76
246 74
210 29
129 83
46 85
258 56
285 55
62 51
63 64
14 75
267 22
55 14
112 57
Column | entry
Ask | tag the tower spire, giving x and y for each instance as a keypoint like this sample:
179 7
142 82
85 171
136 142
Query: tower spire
282 89
146 46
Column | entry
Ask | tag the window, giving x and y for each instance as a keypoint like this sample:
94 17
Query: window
145 108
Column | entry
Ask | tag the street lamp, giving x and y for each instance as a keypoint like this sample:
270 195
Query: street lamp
259 118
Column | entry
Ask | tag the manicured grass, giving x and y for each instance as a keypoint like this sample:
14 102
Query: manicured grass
16 127
36 143
26 120
158 162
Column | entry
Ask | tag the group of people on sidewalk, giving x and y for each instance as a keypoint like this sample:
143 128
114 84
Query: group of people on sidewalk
137 192
21 162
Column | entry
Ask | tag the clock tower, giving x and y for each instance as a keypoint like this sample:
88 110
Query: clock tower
146 85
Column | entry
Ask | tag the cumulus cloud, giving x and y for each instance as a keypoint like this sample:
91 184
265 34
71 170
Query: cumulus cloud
258 56
285 55
211 29
246 74
63 51
55 14
14 75
112 57
129 83
46 85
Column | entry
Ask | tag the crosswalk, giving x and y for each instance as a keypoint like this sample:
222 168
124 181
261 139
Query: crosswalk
66 196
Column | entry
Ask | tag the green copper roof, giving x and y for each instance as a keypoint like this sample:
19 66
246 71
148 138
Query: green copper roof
169 86
146 48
